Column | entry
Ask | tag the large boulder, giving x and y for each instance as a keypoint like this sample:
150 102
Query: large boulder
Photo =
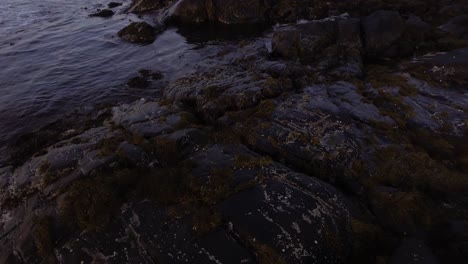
382 29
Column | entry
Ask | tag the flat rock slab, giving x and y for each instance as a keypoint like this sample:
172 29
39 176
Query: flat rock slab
299 218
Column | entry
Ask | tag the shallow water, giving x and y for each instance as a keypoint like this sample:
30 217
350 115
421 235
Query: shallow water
54 59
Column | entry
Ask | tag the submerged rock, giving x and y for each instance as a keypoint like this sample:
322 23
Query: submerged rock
114 4
103 13
139 32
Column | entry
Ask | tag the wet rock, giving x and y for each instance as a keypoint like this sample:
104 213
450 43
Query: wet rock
239 11
310 139
139 32
145 79
151 75
103 13
226 12
139 6
299 239
231 86
381 30
138 82
457 26
149 118
288 217
188 140
133 153
114 4
343 99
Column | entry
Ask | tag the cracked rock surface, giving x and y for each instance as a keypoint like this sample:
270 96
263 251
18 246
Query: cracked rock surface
337 139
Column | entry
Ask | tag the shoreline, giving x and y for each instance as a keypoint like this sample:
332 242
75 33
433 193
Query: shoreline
343 143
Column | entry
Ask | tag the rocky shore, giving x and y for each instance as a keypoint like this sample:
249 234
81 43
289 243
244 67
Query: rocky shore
339 134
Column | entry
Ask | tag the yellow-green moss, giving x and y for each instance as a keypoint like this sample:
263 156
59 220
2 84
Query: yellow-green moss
404 208
416 170
89 204
108 146
381 77
43 240
265 254
250 162
264 109
206 220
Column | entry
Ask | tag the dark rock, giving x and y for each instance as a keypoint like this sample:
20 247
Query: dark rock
457 26
139 6
287 218
382 29
333 45
311 147
453 10
412 250
114 4
145 79
133 153
138 82
103 13
139 32
417 29
239 11
152 75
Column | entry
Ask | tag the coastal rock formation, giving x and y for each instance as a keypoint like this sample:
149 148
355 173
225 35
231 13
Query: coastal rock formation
330 140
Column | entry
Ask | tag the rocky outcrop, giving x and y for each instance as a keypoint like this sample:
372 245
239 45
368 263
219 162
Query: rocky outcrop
241 206
324 141
332 44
